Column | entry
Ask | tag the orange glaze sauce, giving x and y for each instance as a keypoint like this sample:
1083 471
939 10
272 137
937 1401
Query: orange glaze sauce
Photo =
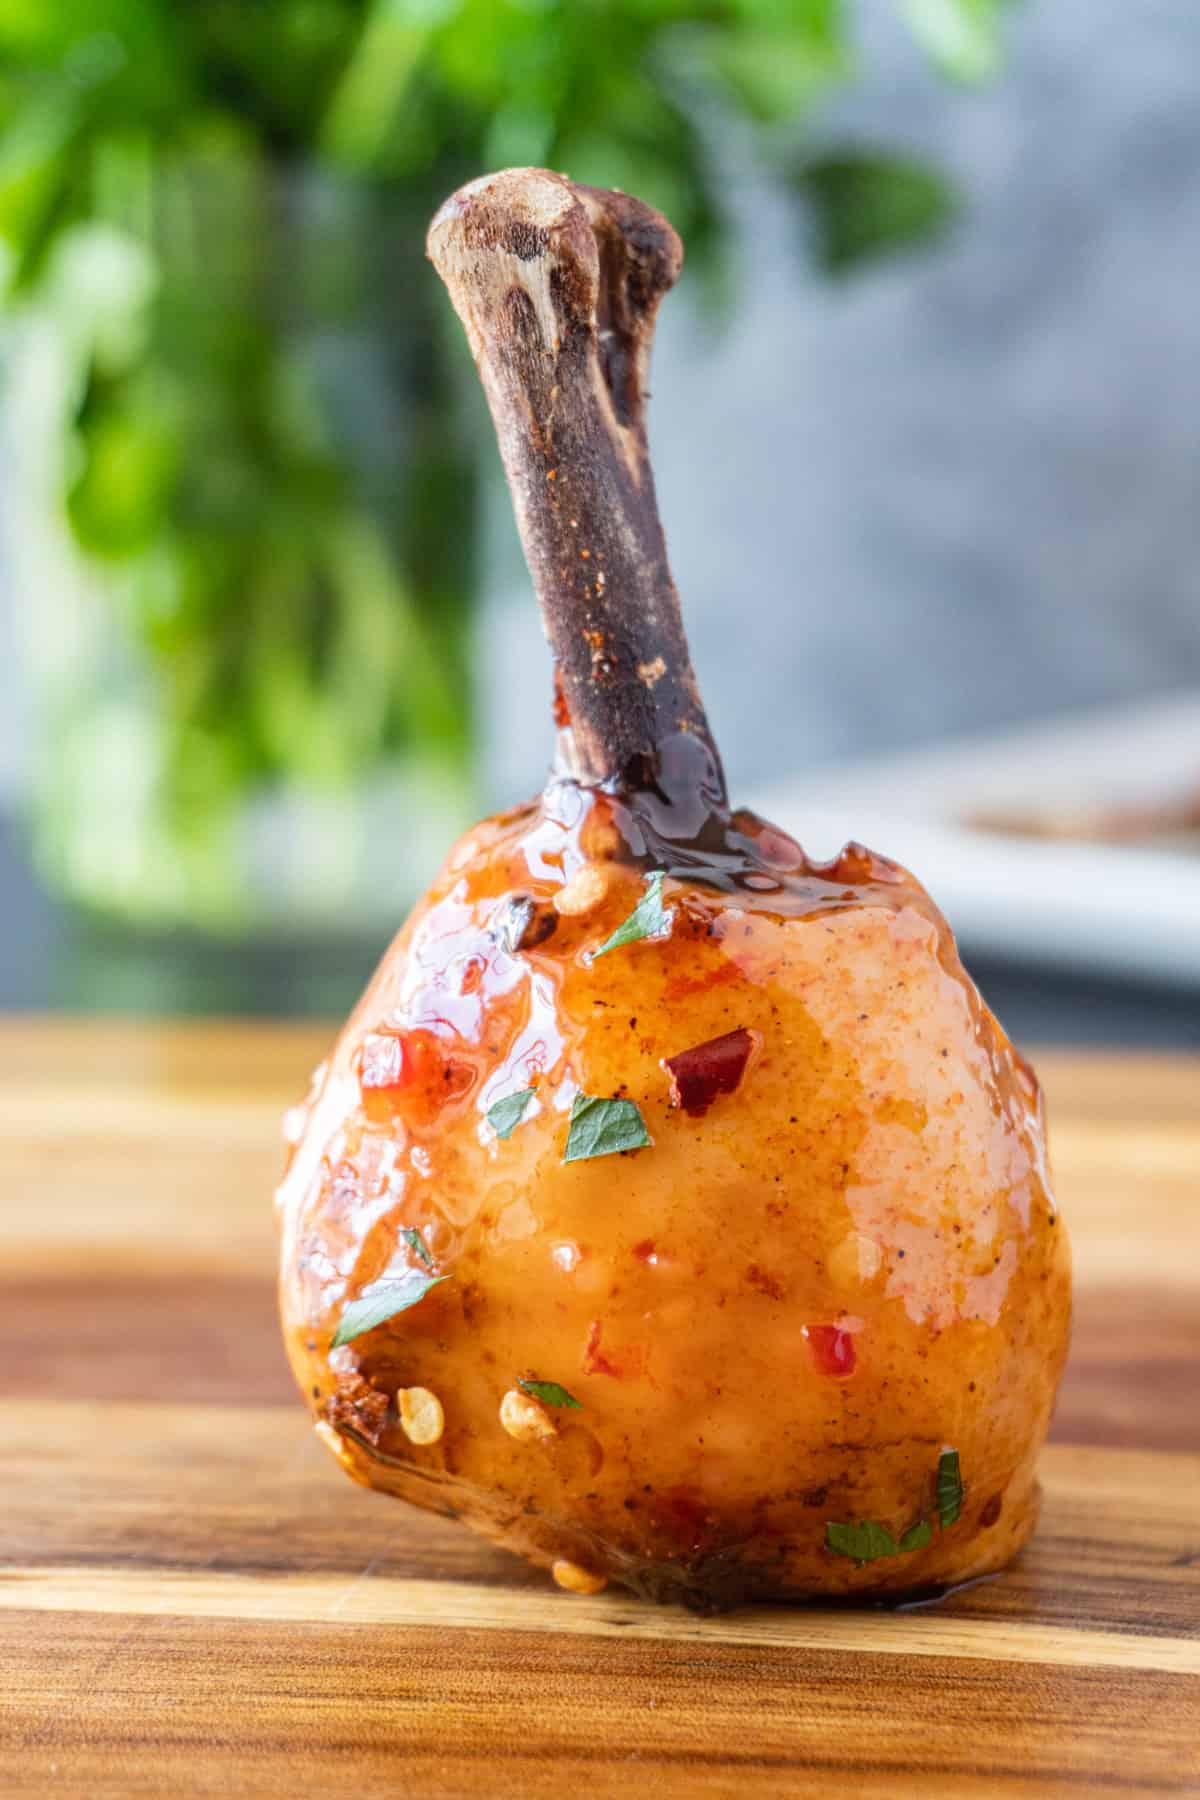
776 1314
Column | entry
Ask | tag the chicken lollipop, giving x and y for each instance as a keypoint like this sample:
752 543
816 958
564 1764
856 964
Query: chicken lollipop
671 1210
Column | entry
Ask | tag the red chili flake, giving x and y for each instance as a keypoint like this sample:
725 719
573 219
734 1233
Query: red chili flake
700 1074
474 970
831 1348
646 1251
630 1363
383 1063
413 1069
594 1360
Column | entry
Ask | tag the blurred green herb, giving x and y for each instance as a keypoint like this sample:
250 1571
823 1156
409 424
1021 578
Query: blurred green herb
268 442
865 205
963 36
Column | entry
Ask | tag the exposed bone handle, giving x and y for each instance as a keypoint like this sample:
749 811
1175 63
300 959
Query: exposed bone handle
558 286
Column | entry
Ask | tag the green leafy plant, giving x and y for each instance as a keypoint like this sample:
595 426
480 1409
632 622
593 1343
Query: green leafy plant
216 210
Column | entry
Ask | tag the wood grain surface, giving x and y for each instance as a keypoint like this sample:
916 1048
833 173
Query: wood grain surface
194 1601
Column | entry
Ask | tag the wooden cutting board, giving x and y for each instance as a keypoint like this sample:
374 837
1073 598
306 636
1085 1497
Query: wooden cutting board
194 1601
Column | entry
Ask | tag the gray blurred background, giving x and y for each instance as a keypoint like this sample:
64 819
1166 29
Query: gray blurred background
962 490
956 492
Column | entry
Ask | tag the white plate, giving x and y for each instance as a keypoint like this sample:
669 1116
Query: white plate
1126 910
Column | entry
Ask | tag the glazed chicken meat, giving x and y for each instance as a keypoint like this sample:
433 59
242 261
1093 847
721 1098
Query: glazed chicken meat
671 1210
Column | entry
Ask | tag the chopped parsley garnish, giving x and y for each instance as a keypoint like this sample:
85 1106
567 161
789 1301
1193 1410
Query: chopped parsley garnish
649 918
550 1392
506 1114
417 1245
917 1536
383 1300
866 1540
949 1488
603 1127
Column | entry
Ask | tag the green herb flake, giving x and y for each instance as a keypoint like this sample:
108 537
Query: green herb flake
507 1114
549 1392
603 1127
648 919
865 1542
383 1300
949 1488
417 1245
917 1536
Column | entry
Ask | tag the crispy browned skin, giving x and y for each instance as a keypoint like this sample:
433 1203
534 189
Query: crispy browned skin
777 1315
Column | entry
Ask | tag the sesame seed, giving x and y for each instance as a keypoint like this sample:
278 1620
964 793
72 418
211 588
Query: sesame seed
576 1579
585 891
421 1417
525 1418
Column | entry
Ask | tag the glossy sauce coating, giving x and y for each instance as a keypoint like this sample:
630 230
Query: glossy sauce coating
776 1316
